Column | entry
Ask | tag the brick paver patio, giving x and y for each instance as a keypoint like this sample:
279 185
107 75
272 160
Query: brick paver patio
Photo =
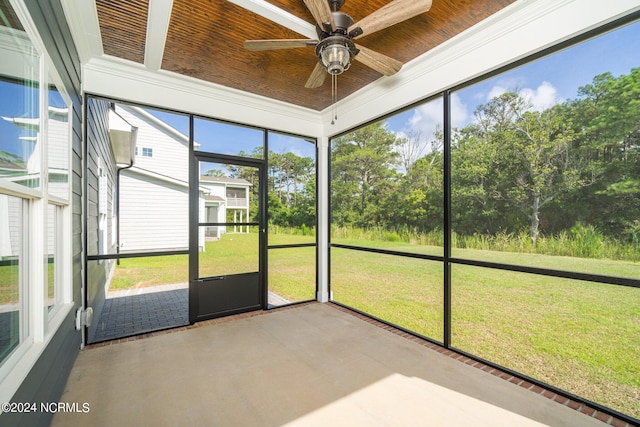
142 310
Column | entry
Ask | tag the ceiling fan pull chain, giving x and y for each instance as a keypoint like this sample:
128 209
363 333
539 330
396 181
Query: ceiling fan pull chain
334 98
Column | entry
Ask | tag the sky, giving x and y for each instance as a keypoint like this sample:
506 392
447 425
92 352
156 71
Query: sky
552 79
545 82
16 101
226 138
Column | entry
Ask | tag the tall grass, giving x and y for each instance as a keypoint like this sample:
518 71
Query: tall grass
292 231
580 242
403 234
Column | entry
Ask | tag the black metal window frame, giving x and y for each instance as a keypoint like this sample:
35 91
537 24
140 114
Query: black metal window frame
313 141
191 118
447 259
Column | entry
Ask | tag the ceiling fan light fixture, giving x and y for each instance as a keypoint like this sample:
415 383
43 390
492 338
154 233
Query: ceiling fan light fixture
336 58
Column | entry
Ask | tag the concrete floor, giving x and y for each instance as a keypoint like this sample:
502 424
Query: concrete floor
309 365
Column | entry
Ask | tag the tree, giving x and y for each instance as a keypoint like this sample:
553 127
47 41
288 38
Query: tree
291 189
218 173
528 156
418 201
363 174
412 147
476 175
288 174
549 167
607 115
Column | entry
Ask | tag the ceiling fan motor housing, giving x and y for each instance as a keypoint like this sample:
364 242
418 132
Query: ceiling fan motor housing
336 48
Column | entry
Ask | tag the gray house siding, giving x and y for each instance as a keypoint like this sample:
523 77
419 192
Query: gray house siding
99 155
45 382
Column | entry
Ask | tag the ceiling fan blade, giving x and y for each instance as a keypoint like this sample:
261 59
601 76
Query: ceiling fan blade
377 61
257 45
317 77
321 12
391 14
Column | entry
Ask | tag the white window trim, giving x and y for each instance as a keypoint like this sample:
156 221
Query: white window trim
40 326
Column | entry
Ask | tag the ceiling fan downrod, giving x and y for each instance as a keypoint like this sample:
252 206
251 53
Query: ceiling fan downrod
335 5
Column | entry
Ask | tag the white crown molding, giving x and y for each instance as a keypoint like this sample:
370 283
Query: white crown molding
131 81
15 41
519 30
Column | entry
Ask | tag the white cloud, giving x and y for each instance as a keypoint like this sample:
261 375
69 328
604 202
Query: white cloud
541 98
545 96
495 92
428 117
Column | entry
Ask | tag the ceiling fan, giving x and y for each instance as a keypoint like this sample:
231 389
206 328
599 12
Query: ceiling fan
336 31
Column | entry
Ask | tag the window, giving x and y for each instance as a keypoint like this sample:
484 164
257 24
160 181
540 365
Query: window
146 151
139 209
545 161
540 249
386 188
35 149
12 276
291 169
223 138
52 256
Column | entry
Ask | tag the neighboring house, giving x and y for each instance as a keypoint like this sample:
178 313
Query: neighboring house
153 210
153 191
226 197
152 184
25 169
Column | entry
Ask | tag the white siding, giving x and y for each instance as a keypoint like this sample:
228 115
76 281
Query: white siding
154 214
217 189
10 222
58 139
154 211
170 151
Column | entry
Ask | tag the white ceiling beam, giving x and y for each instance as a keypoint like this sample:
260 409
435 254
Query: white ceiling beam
157 27
279 16
82 17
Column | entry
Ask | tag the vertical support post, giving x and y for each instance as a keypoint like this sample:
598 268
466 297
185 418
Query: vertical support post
85 209
447 219
263 215
194 229
322 196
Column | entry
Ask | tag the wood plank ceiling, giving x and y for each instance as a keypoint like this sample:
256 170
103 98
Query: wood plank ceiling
204 41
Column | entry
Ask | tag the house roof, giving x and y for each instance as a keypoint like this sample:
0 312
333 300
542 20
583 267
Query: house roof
224 180
10 162
214 199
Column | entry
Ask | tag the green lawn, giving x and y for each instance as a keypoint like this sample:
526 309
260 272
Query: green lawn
291 271
9 277
579 336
